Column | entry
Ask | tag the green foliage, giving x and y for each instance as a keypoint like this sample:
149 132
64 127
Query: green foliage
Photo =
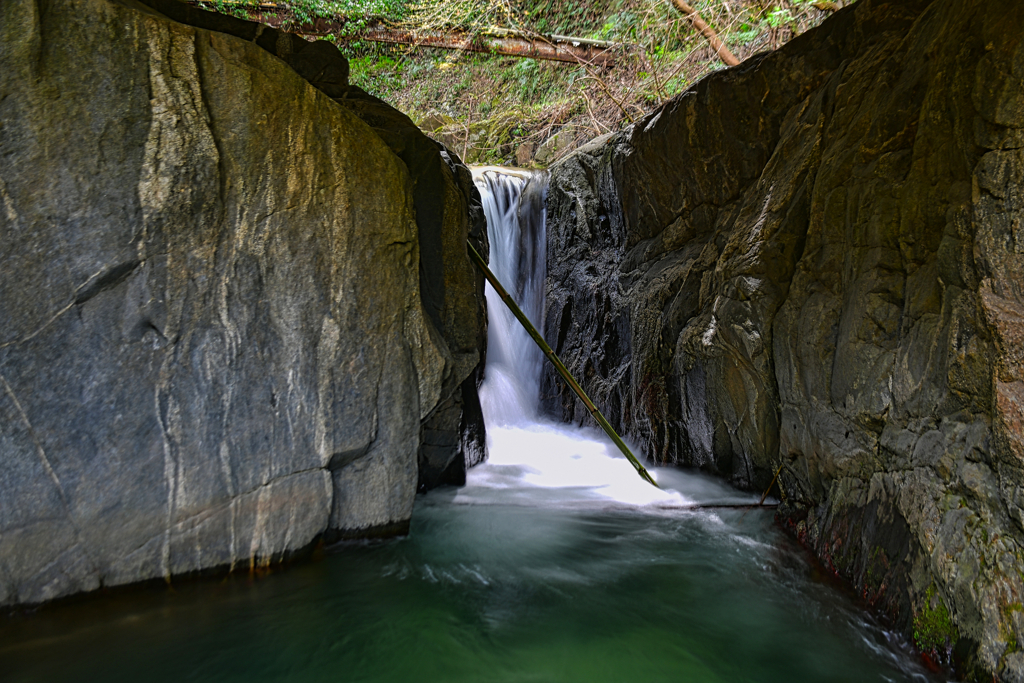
378 72
392 10
621 26
933 627
485 106
747 32
308 10
778 16
530 78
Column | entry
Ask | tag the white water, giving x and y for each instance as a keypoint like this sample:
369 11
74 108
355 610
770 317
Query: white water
509 395
531 459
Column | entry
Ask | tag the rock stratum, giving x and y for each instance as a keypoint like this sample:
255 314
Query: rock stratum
813 263
236 311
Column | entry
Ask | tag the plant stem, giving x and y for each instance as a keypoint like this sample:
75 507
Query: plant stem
562 370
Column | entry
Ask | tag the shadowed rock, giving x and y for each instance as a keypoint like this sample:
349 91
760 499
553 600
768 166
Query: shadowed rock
813 261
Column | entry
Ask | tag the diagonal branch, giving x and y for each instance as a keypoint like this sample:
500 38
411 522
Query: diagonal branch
691 14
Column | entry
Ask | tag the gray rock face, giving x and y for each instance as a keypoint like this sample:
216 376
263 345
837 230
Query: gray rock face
213 344
813 262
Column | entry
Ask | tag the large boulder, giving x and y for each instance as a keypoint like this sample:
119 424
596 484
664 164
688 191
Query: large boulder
812 264
216 346
448 212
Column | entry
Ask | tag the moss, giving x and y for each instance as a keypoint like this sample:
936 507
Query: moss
878 567
933 627
1009 633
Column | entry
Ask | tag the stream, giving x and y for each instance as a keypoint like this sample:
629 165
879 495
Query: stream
555 562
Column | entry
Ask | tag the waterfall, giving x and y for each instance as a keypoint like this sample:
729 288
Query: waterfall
527 453
515 229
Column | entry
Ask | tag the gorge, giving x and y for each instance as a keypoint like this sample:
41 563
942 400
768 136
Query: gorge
238 322
554 561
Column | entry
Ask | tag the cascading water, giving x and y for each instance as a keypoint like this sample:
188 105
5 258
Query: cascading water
555 562
509 395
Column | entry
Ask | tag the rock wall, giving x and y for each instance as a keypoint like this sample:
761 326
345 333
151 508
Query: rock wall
814 262
228 327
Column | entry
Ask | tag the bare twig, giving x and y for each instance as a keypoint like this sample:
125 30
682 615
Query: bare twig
608 92
590 110
774 479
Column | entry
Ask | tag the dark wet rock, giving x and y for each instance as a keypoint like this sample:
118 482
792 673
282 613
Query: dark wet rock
228 326
813 261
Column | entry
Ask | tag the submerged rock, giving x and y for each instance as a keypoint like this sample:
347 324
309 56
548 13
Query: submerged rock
228 325
813 262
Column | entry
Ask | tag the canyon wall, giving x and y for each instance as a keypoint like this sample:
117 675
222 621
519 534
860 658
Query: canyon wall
813 264
231 320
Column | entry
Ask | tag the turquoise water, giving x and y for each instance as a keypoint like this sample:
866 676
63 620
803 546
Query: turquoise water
526 574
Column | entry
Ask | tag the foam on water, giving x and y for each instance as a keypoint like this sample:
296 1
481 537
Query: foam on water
572 460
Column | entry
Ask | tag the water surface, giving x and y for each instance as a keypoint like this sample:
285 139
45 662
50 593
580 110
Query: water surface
526 574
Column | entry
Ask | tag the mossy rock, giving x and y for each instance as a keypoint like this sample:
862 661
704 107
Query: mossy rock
933 627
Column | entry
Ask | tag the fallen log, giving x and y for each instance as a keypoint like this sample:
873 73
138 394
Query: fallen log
494 41
543 47
559 366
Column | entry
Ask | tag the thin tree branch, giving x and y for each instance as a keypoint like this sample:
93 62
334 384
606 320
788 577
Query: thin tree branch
691 14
